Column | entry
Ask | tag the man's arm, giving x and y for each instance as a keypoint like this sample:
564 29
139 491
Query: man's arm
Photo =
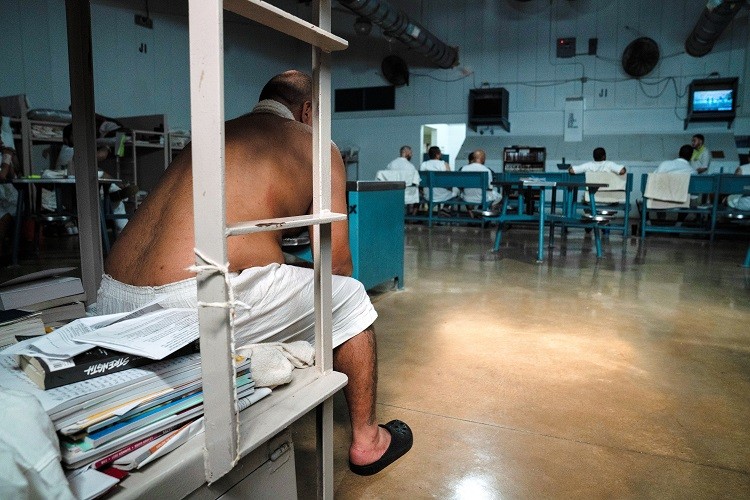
341 254
341 257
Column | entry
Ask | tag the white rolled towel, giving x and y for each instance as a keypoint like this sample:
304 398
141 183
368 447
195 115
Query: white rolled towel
272 363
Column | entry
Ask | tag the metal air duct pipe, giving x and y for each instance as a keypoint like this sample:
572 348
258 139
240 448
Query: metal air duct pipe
398 25
713 21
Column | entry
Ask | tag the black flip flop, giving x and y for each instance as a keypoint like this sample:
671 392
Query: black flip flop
401 441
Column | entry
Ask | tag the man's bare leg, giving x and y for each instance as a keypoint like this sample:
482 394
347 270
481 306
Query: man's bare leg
357 359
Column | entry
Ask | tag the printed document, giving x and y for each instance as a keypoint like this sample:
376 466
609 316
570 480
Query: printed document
151 331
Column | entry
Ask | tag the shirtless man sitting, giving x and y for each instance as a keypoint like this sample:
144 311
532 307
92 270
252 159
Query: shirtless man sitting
150 258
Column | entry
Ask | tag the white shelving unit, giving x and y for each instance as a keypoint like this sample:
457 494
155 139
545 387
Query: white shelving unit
230 435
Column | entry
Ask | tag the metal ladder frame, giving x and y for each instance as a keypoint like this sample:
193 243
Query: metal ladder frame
224 443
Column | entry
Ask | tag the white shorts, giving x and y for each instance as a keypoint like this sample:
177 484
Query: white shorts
280 299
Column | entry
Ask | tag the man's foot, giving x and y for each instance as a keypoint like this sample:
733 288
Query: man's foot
401 440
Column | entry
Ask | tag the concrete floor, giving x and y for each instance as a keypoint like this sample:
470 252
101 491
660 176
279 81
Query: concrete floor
623 378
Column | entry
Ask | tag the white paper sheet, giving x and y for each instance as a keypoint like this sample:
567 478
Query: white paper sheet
141 329
154 335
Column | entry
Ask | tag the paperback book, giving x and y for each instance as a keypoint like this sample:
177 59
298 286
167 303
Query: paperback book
15 323
96 362
38 287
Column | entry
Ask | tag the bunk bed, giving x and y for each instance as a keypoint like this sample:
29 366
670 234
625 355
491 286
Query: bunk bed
231 439
145 156
32 126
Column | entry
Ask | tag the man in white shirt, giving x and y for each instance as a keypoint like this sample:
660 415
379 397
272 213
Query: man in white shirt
403 162
474 195
679 164
600 164
436 164
700 159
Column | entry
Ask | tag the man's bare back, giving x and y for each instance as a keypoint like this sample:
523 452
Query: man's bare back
268 175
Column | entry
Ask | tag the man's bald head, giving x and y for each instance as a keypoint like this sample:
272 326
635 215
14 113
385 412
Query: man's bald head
480 156
291 88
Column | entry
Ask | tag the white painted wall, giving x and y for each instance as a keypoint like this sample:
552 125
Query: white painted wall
502 43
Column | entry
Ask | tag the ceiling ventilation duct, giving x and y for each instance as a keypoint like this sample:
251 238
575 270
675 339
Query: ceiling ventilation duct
399 26
714 19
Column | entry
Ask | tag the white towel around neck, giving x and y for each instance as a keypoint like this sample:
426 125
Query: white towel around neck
274 108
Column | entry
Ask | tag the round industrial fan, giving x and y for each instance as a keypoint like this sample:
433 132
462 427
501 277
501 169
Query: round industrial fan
395 70
640 57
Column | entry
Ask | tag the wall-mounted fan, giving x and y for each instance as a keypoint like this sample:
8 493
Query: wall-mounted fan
640 57
395 70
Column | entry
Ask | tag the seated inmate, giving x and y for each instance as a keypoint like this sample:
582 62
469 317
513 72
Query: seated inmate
436 164
476 164
600 164
150 258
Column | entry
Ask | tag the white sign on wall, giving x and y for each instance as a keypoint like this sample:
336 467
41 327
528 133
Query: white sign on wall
573 119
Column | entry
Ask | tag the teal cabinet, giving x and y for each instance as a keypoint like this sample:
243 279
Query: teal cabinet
376 231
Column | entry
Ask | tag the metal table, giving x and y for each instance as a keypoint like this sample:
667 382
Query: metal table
525 214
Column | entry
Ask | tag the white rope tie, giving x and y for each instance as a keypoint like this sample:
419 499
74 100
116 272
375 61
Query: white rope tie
230 304
224 270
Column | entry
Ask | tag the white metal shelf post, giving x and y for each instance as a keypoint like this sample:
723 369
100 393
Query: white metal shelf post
223 442
321 69
206 20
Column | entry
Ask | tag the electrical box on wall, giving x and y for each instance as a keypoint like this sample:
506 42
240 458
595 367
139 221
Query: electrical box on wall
144 21
566 47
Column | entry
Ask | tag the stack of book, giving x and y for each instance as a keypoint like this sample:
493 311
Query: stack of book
50 373
57 298
120 419
16 324
103 419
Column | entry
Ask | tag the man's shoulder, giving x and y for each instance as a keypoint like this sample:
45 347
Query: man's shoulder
475 167
664 164
400 164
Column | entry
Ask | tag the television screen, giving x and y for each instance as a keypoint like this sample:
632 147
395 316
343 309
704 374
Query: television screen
712 100
488 107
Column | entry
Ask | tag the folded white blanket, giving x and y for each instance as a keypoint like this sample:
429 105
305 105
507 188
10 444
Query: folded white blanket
667 190
615 190
271 364
410 177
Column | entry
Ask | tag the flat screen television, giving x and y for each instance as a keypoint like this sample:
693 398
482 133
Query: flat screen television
713 99
488 107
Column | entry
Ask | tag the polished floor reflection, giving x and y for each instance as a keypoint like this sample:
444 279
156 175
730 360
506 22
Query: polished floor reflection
627 377
623 378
